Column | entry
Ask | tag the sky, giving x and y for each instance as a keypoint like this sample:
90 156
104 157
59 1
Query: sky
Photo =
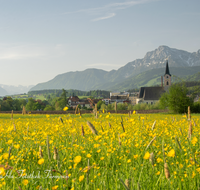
40 39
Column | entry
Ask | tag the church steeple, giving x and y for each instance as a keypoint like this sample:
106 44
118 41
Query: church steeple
167 69
167 77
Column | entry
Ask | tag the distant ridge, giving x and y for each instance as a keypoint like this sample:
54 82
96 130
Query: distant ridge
3 92
91 79
11 89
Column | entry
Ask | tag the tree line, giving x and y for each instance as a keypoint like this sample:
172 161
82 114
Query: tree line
53 103
71 92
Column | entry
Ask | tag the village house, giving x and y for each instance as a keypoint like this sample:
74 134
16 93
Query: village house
133 97
73 101
119 99
106 101
123 97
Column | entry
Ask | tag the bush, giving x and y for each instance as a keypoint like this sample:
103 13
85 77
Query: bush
195 108
104 107
111 106
49 108
130 107
122 106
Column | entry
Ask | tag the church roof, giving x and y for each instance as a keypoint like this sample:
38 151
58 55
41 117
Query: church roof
151 93
167 69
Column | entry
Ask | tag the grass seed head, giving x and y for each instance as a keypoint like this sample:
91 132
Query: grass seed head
40 152
167 174
127 183
153 126
190 130
55 154
120 143
82 129
92 128
152 159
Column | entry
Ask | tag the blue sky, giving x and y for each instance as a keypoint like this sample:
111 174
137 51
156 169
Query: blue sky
40 39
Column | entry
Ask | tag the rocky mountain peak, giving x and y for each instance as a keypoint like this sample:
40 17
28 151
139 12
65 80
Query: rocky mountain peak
162 52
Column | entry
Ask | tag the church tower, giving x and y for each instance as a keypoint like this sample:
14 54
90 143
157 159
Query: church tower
167 76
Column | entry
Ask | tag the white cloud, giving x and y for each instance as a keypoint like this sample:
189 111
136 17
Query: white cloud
21 52
108 11
105 17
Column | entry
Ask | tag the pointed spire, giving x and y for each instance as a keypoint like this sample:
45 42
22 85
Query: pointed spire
167 69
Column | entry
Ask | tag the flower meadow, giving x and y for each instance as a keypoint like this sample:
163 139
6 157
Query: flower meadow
111 151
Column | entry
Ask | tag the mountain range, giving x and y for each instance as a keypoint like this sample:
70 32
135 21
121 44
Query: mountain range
141 72
11 89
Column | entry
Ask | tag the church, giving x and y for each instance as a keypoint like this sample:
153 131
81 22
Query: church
151 95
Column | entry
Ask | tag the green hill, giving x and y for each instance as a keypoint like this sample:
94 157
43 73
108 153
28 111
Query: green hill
153 77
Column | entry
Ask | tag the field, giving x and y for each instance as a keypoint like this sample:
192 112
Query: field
113 151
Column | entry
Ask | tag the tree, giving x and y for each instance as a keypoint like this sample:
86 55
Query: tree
99 103
164 100
30 106
64 96
176 99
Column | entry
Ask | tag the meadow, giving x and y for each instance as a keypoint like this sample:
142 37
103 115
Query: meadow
113 151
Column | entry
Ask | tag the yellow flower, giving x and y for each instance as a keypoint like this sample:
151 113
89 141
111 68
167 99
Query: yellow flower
2 171
159 160
128 161
198 170
135 156
81 178
158 173
54 187
5 156
65 108
102 158
134 112
181 166
171 153
194 141
17 146
147 155
77 159
41 161
107 116
89 155
10 142
85 169
193 174
25 182
12 157
98 150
